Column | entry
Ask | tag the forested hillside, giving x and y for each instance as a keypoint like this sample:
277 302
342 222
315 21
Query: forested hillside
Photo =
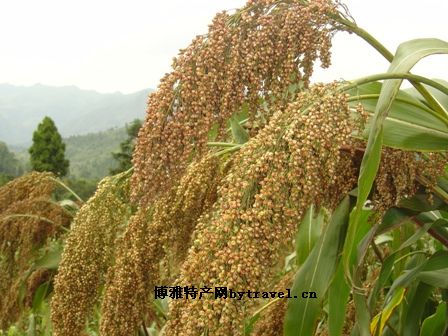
90 155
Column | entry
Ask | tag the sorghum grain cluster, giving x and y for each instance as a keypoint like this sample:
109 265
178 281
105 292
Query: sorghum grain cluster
29 218
88 253
248 57
157 236
274 178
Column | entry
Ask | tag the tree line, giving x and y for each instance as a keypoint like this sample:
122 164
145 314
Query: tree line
48 153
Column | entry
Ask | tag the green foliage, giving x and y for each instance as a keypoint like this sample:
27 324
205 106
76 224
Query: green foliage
308 233
48 151
436 324
408 54
338 295
4 179
9 164
316 274
124 156
410 124
239 134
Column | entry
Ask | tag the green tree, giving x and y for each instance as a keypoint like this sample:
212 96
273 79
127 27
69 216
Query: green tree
9 165
124 157
48 151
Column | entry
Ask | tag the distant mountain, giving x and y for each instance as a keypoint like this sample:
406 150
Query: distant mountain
74 111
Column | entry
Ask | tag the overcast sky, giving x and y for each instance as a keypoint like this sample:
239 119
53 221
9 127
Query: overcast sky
109 45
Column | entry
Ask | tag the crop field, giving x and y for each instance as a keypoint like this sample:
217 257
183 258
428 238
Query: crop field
253 202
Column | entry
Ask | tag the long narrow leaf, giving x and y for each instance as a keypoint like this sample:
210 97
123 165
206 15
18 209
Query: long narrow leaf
380 320
409 125
308 233
435 325
436 263
239 134
439 96
414 309
407 55
338 294
315 275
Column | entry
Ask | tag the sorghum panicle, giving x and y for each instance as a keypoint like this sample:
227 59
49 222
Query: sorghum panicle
274 178
397 175
29 218
157 235
88 253
246 57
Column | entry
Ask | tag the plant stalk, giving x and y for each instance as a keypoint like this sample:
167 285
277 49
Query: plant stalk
66 187
432 232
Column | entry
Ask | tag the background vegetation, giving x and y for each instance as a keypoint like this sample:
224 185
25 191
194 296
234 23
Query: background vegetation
247 176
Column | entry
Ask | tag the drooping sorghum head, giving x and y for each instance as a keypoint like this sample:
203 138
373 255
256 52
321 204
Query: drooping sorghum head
157 236
249 57
29 218
88 253
291 164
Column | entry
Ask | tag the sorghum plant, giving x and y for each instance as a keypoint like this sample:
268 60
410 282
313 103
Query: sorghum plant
236 149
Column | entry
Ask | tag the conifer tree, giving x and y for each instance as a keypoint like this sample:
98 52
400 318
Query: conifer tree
48 150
